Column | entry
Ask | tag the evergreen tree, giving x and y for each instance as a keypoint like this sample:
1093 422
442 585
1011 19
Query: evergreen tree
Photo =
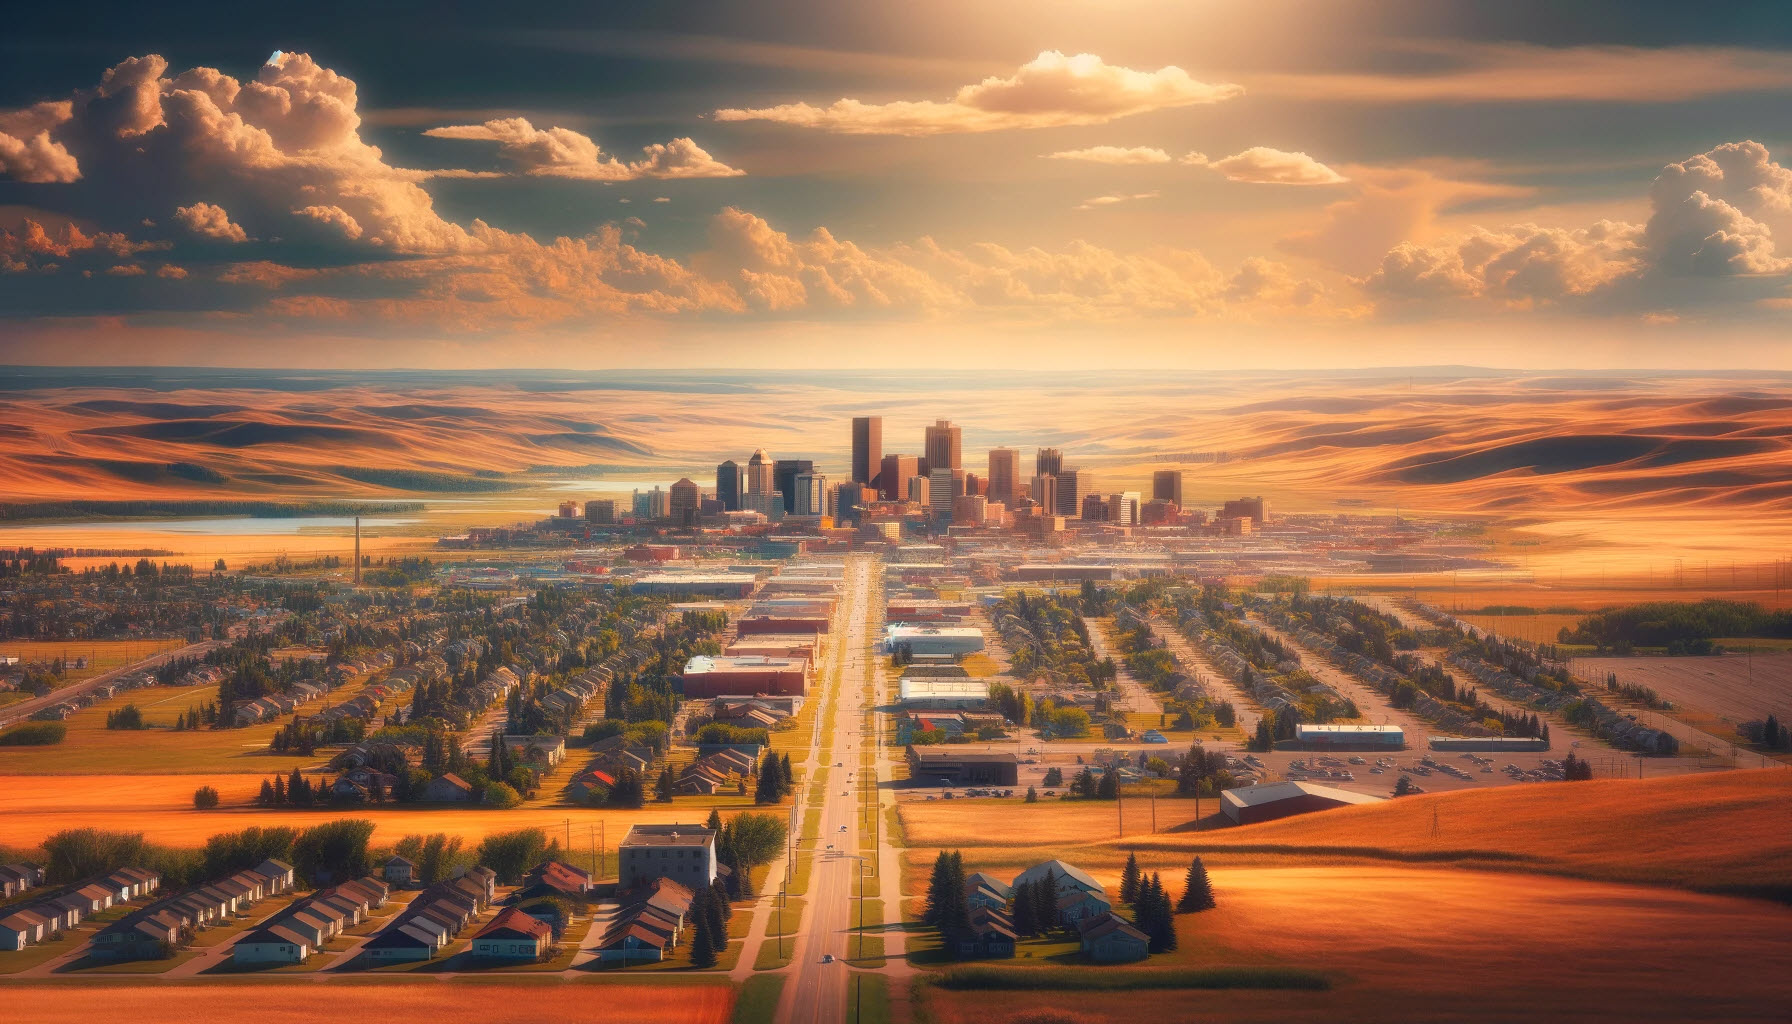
1032 795
714 824
1160 909
296 790
703 943
662 789
279 791
722 900
266 799
788 776
1045 901
1129 880
1197 891
1025 913
936 890
1109 786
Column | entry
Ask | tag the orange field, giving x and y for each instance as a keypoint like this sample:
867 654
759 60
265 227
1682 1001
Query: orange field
161 807
269 1002
1724 832
1424 944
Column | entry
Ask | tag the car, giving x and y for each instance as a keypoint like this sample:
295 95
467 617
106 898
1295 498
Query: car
827 958
930 796
830 846
843 828
846 792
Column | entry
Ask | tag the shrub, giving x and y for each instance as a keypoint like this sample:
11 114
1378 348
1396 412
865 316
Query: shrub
499 794
34 734
721 732
205 798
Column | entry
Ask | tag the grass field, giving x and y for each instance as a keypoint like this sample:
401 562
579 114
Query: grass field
1723 832
161 807
1420 944
1736 687
757 1001
469 1002
102 655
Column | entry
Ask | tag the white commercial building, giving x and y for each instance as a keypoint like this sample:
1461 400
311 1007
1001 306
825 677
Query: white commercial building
934 640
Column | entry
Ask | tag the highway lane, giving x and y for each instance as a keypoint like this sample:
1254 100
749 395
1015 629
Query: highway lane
817 992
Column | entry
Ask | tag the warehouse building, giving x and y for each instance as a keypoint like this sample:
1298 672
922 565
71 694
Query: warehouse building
1489 744
978 768
929 640
938 693
1055 573
1350 737
705 676
1249 804
692 584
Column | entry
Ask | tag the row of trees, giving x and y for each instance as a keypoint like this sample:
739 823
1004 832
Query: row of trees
775 779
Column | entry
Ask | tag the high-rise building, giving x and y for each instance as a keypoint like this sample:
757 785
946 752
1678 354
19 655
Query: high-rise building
1123 508
759 472
600 510
682 504
1048 462
769 504
1166 485
1045 493
867 448
1095 508
892 480
943 486
850 499
1004 473
784 474
969 510
652 506
1254 509
1073 485
569 510
918 488
728 486
809 495
974 484
945 446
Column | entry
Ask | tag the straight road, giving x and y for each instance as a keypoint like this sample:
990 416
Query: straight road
25 709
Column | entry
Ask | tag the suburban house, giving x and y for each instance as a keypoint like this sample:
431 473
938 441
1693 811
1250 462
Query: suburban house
684 853
1080 905
554 878
447 788
435 917
399 871
992 934
1067 877
648 923
272 944
21 928
19 876
984 890
1112 939
513 935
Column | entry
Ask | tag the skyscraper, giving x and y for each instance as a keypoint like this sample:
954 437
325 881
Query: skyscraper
1073 485
944 485
867 448
759 472
784 474
728 486
945 446
683 502
1166 485
892 480
1004 474
1045 493
808 494
1048 462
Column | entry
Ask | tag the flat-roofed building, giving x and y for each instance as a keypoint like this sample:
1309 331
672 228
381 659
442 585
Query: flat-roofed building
924 640
964 767
695 584
1046 572
1350 737
942 693
706 676
684 853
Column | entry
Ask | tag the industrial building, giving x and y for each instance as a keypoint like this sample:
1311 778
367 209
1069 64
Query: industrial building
926 640
1272 800
705 676
1350 737
1048 573
969 768
942 694
694 584
1489 744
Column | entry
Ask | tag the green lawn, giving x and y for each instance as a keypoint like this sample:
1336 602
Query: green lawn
791 916
757 1000
868 999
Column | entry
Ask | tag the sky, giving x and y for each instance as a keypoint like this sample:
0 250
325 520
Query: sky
969 184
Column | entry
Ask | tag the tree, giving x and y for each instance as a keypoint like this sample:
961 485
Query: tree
1404 787
786 774
1026 918
1054 777
757 838
1032 795
1108 788
1151 912
722 900
1197 891
510 854
279 790
1045 901
662 788
266 797
704 951
714 823
205 798
932 912
333 851
628 791
1129 879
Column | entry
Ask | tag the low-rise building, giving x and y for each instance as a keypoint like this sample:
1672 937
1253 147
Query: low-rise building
686 854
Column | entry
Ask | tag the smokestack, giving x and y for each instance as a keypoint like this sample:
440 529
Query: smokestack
357 551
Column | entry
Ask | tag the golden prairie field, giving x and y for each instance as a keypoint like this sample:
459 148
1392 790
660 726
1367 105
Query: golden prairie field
1719 832
459 1002
1423 944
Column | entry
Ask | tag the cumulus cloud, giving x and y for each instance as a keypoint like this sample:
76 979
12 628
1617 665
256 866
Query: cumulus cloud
1051 90
32 248
563 153
1119 155
335 218
208 221
171 272
1097 202
1265 166
1704 209
28 153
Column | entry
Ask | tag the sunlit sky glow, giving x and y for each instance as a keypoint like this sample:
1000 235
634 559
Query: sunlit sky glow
1271 184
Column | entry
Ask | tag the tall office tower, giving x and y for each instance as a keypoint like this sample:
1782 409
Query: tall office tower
1045 493
917 490
1166 485
1123 508
945 446
1073 485
849 501
600 510
974 484
867 448
784 474
1254 509
1004 473
1095 508
892 480
681 505
1048 462
969 510
759 472
809 494
944 485
728 486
